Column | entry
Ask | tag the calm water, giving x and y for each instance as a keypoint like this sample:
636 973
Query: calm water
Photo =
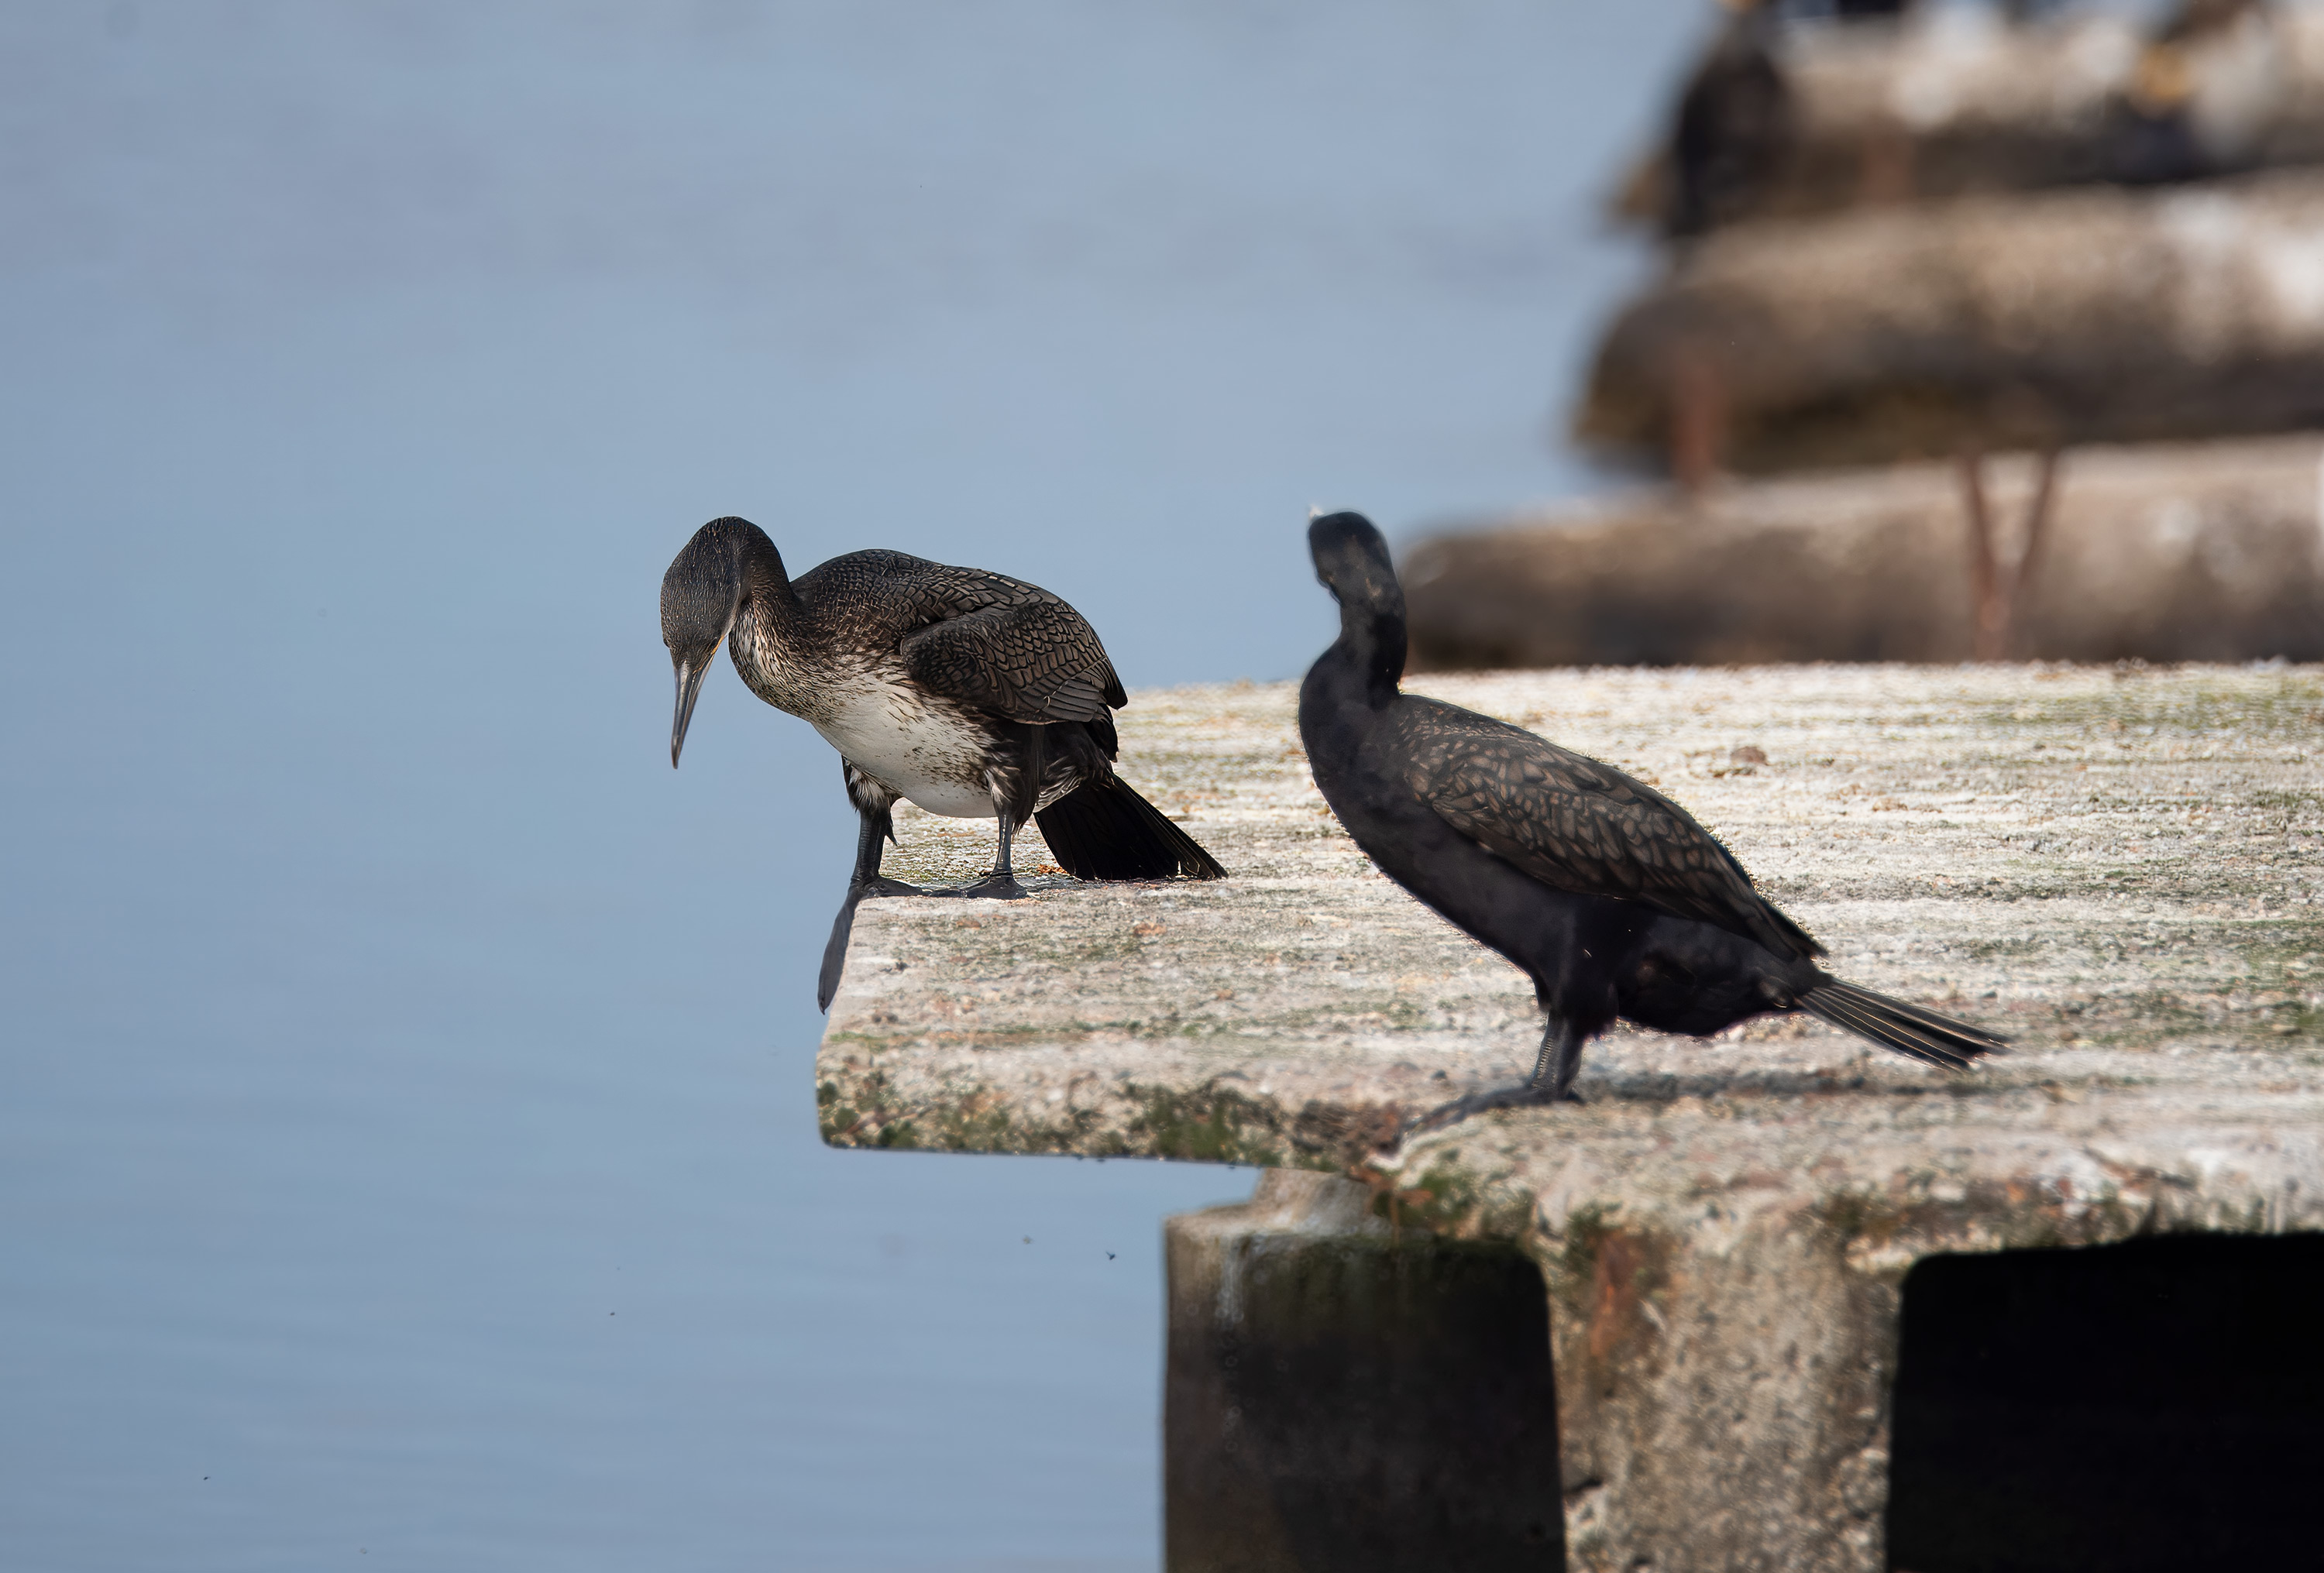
407 1154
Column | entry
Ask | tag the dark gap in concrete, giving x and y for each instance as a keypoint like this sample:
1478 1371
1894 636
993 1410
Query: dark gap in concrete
2152 1405
1356 1406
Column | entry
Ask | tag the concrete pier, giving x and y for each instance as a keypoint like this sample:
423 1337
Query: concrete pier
2168 552
2118 867
1949 107
2096 315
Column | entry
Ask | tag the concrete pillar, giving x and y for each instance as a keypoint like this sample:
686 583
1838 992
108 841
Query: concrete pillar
1343 1396
1346 1397
1724 1402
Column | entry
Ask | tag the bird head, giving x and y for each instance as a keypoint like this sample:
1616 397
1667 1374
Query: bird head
1352 562
701 596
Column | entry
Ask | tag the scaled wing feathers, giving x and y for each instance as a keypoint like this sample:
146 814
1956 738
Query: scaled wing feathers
1014 649
1579 826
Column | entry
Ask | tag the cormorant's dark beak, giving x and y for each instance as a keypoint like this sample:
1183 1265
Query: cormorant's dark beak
689 689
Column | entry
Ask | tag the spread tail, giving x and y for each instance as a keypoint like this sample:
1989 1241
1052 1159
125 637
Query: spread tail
1101 830
1911 1030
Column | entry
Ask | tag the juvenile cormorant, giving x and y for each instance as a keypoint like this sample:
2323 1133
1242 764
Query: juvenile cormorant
1609 895
971 693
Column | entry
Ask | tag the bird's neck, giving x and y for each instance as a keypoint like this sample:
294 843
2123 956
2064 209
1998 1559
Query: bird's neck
1351 686
767 605
765 583
769 633
1369 652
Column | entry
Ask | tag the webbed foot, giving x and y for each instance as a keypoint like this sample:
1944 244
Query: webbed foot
881 885
1523 1095
993 887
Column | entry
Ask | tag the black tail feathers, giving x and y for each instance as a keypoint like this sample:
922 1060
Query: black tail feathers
1101 830
1911 1030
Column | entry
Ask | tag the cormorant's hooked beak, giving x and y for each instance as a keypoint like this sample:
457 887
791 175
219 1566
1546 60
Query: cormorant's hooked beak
689 689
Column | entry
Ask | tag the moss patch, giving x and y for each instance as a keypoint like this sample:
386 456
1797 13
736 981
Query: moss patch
1211 1124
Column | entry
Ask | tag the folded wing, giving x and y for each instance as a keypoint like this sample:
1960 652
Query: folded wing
1576 825
1013 649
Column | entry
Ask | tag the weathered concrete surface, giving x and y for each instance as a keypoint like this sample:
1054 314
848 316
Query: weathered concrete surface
2209 551
2121 870
1961 105
2125 864
2093 315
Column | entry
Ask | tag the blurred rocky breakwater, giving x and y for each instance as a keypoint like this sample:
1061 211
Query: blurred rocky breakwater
1972 340
2197 552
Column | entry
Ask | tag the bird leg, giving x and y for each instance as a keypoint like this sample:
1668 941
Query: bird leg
1000 885
1016 792
1560 1060
1552 1081
878 828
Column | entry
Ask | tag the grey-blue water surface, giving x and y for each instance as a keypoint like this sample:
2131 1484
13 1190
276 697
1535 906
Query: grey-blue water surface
407 1153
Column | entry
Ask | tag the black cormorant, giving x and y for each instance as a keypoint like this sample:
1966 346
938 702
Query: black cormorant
970 694
1609 895
1732 128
